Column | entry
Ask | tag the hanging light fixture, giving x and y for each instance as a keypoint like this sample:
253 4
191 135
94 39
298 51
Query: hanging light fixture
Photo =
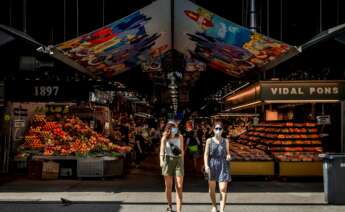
173 91
172 86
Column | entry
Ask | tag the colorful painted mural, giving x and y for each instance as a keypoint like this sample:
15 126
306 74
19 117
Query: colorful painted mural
222 44
141 37
144 37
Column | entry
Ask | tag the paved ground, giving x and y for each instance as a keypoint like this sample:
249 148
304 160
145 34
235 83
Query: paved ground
141 190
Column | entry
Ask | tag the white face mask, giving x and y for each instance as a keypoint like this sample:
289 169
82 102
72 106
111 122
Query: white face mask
174 131
218 130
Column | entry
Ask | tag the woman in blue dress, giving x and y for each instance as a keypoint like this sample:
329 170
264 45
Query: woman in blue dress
216 159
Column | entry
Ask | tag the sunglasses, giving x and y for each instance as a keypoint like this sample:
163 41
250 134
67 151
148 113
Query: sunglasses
218 128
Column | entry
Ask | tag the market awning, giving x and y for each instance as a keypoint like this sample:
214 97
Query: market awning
142 37
224 45
337 33
9 34
286 92
146 35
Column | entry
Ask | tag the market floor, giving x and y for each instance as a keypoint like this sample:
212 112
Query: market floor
142 190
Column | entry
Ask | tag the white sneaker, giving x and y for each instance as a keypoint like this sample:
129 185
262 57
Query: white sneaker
214 209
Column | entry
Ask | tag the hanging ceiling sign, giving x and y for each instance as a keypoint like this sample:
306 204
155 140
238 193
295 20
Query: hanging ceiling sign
285 92
302 90
222 44
141 37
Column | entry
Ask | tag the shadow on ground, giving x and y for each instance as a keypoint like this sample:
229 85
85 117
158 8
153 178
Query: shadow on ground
147 178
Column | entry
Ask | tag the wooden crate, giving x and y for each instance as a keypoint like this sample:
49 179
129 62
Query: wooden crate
300 169
20 166
252 168
100 167
50 170
35 169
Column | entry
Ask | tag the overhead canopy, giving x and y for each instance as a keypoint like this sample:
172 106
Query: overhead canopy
224 45
337 33
9 34
144 37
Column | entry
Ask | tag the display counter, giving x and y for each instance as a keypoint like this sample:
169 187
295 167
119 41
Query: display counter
300 169
252 168
294 146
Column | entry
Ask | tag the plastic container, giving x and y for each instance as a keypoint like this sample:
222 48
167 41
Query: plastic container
334 175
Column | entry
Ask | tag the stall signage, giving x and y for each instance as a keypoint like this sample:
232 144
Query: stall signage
323 120
52 109
19 123
47 91
301 91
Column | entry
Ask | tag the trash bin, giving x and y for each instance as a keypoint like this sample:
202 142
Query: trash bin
334 175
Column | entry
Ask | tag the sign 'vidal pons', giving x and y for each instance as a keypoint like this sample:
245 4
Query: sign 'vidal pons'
304 91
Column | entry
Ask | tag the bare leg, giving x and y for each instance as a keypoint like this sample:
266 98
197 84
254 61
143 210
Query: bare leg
168 189
223 190
179 190
195 164
212 191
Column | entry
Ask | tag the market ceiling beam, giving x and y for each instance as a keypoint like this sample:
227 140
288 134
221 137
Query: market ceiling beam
49 50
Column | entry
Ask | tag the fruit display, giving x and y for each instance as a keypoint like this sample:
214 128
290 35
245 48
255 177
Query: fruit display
285 141
282 136
296 156
67 136
240 152
237 131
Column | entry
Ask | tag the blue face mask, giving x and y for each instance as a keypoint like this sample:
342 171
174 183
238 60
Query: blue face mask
174 130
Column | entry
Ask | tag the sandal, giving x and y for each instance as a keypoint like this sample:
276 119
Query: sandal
169 209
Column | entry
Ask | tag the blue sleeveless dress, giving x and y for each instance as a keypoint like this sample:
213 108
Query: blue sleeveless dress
219 166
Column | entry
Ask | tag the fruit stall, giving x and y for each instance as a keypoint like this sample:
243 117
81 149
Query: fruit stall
65 139
289 131
250 161
295 146
246 160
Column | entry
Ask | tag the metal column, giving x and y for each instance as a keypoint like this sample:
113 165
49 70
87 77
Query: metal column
342 129
253 26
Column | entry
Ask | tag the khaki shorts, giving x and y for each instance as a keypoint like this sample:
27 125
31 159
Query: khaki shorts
173 166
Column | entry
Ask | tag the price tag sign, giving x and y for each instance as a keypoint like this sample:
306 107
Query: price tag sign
92 124
19 123
324 120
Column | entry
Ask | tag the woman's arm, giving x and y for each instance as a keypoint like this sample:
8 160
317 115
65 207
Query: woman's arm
182 146
228 156
206 153
162 151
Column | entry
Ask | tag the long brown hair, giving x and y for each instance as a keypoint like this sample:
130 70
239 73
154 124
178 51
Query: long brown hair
218 122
